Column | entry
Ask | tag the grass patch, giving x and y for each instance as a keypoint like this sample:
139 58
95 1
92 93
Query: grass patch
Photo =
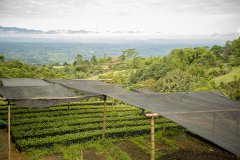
229 77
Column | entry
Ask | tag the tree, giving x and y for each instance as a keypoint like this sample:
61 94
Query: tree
94 60
217 50
234 52
78 59
129 54
176 81
2 58
154 71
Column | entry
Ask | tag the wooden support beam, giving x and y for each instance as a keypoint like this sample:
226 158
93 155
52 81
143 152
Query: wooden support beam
81 158
104 118
9 135
152 115
152 139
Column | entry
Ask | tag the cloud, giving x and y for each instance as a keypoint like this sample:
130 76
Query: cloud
198 6
124 32
123 17
238 30
16 30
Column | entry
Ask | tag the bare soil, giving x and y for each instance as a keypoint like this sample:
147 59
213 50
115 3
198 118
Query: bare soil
53 157
91 154
193 149
15 155
187 154
132 150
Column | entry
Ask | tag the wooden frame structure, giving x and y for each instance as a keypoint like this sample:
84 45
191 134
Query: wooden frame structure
152 115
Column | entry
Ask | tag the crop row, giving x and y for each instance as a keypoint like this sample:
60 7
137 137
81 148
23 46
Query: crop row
60 109
22 121
75 122
66 112
69 112
68 139
74 129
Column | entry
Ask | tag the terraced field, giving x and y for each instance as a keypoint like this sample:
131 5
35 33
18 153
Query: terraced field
34 128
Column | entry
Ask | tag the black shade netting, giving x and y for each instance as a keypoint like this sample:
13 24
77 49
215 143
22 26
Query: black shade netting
220 127
41 96
179 102
146 91
23 82
91 87
79 82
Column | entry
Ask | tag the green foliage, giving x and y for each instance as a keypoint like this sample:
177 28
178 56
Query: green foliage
94 60
195 69
3 124
176 81
129 54
154 71
231 89
231 74
232 52
217 50
2 58
78 59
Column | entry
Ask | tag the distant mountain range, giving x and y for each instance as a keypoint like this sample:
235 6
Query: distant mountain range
16 30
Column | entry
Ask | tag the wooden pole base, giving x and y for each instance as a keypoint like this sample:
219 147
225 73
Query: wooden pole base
152 115
9 131
104 118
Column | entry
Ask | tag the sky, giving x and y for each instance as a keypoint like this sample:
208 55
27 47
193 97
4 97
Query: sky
125 19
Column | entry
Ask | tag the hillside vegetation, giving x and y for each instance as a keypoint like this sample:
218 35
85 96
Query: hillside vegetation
187 69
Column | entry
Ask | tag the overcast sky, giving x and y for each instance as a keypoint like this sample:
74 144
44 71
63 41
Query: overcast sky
139 19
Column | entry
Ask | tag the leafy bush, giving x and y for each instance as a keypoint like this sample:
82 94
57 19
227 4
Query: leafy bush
176 81
231 89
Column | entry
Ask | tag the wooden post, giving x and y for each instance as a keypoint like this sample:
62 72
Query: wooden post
9 135
104 118
152 139
81 155
152 134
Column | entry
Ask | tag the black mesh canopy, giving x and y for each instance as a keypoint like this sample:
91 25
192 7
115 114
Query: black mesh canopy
23 82
77 81
92 87
146 91
38 93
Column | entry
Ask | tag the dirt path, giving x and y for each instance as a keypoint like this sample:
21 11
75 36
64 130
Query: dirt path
15 155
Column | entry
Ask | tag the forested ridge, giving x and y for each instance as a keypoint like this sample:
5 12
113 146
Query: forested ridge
187 69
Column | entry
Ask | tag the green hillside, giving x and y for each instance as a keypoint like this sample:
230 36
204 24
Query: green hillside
187 69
